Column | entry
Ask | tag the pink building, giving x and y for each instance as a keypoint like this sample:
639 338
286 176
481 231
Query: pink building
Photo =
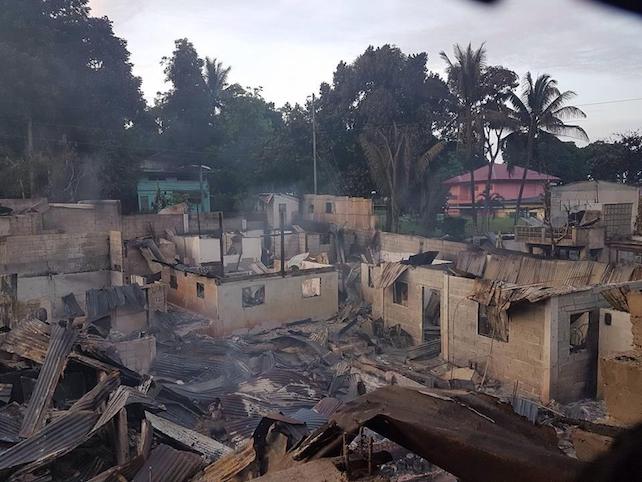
504 184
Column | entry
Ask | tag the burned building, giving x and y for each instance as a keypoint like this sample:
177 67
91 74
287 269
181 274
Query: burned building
243 301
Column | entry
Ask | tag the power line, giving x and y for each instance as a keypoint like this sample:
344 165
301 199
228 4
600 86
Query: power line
616 101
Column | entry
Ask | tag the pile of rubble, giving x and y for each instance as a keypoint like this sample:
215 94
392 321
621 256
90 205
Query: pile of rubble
307 396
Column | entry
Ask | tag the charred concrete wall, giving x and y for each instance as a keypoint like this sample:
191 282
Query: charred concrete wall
395 247
409 315
284 301
21 224
99 217
574 372
182 291
141 225
524 357
47 291
54 253
344 211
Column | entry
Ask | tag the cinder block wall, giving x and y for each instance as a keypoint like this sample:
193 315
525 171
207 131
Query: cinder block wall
404 243
82 218
410 317
572 373
522 358
54 253
140 225
22 224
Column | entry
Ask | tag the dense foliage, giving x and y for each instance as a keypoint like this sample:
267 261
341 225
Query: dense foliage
74 123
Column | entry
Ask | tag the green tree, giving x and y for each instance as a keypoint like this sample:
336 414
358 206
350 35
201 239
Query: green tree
185 112
541 109
69 98
619 161
465 78
216 80
381 88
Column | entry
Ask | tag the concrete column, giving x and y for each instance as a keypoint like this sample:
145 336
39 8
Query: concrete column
445 318
550 349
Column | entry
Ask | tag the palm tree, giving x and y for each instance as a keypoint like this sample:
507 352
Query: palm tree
216 79
465 78
541 109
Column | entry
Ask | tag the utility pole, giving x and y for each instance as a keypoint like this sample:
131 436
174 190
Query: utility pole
314 146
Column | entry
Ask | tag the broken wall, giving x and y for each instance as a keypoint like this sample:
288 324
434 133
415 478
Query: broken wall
574 373
410 315
344 211
525 357
99 217
141 225
284 300
182 291
47 291
395 247
21 224
54 253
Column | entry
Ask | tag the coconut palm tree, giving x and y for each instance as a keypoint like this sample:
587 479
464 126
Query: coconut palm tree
541 109
465 79
216 79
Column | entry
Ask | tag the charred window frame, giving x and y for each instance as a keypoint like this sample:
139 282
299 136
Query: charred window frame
400 293
370 277
311 288
329 208
324 238
253 296
200 290
173 282
578 331
311 208
486 327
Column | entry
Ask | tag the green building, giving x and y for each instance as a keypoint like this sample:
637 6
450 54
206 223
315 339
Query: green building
173 184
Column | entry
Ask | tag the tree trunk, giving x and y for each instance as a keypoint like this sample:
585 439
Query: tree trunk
529 155
491 164
473 210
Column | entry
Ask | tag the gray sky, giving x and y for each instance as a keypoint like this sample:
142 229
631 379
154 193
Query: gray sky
290 46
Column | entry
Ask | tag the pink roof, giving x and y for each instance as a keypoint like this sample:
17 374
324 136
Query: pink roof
500 172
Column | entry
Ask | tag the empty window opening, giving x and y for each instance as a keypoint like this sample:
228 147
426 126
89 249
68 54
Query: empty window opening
400 293
253 296
173 282
324 238
370 277
608 319
200 290
311 287
329 208
311 208
579 324
491 324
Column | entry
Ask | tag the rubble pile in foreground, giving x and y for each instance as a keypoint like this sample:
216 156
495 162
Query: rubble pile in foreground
301 401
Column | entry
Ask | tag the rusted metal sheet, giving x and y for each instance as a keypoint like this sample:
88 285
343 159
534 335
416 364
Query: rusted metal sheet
389 274
62 340
227 467
166 464
30 340
94 397
122 397
210 448
59 437
472 436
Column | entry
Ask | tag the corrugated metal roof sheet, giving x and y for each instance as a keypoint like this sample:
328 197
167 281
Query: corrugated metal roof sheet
122 397
389 274
166 464
10 426
57 438
94 397
30 340
100 302
312 419
224 469
62 340
206 446
327 406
